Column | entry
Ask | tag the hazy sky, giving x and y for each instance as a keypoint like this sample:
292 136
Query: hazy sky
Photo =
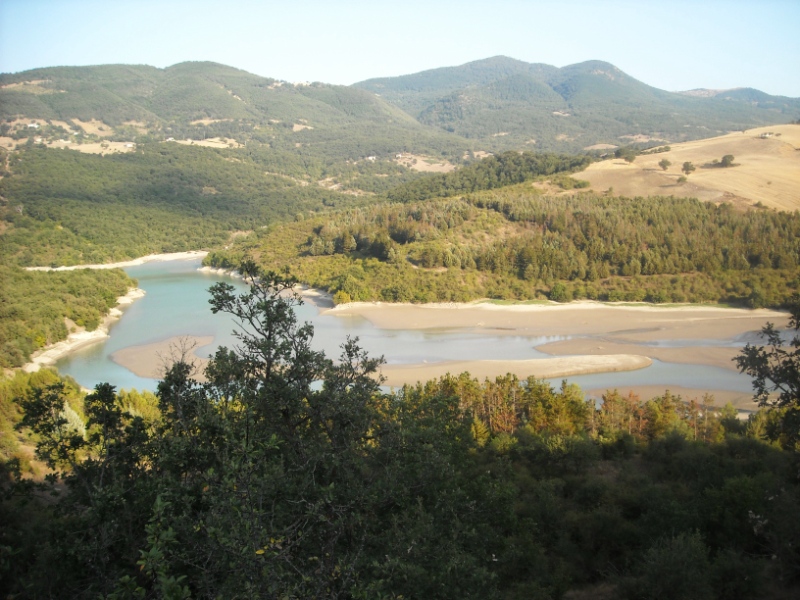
670 44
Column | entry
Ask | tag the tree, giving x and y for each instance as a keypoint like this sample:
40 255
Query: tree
627 153
285 474
727 161
664 164
688 167
775 369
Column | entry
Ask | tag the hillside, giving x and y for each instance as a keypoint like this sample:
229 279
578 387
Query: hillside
198 100
504 103
491 105
766 169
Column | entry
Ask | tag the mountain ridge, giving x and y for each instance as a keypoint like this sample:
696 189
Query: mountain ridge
493 104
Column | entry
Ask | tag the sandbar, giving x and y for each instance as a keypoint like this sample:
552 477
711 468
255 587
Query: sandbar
590 336
633 323
153 360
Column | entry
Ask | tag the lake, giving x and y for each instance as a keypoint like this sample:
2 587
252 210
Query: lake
176 304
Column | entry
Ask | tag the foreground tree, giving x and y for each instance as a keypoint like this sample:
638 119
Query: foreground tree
664 164
775 369
688 168
285 474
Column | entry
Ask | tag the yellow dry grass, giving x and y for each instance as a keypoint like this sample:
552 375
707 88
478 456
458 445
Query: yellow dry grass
98 147
209 121
424 164
95 127
767 170
210 143
32 87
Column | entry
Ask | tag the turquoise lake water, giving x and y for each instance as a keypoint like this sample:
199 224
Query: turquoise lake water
176 304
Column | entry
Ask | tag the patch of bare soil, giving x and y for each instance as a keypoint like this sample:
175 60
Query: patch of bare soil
97 147
425 164
95 127
211 143
209 121
34 86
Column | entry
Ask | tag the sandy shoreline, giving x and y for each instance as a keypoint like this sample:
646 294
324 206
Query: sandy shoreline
192 254
80 339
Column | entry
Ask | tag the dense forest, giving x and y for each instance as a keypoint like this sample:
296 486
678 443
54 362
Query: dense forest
515 243
492 172
258 483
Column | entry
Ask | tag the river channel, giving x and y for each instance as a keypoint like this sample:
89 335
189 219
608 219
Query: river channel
176 304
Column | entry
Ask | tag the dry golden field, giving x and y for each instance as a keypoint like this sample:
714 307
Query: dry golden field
766 169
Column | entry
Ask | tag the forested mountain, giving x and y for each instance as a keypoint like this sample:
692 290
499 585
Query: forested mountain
200 99
493 104
505 103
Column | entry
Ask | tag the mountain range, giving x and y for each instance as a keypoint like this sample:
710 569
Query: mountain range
488 105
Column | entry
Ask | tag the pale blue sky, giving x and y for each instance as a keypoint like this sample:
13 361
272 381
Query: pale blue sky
670 44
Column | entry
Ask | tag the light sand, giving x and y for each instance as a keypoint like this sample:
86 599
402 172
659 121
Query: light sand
81 338
615 337
631 323
153 360
711 356
129 263
543 368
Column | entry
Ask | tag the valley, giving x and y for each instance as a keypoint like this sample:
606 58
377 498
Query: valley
530 362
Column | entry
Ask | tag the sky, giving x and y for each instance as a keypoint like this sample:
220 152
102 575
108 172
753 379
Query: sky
670 44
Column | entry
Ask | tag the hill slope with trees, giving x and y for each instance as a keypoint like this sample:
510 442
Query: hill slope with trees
505 103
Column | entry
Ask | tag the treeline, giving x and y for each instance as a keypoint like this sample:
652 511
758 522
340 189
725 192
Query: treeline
515 244
259 482
35 306
493 172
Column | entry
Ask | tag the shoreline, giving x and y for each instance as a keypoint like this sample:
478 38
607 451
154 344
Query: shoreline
51 354
189 255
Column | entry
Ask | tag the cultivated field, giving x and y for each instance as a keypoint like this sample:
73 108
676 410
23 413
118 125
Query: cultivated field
767 170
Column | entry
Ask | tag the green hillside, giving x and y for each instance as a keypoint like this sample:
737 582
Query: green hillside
198 100
504 103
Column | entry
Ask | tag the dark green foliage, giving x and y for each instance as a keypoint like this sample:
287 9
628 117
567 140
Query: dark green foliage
71 208
775 369
498 171
260 483
617 249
